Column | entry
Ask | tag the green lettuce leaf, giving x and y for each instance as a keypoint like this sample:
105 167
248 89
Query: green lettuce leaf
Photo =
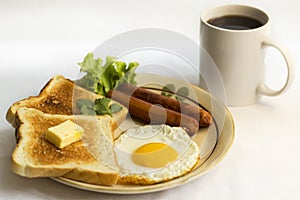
100 106
101 78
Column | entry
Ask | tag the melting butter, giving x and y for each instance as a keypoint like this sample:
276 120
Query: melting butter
64 134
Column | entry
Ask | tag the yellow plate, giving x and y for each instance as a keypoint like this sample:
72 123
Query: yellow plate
214 141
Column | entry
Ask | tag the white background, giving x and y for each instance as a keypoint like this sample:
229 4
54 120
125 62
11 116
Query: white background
39 39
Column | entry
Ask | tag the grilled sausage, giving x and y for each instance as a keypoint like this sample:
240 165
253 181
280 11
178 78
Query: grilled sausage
154 114
204 117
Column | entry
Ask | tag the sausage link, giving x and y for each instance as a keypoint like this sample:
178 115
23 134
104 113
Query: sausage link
196 112
154 114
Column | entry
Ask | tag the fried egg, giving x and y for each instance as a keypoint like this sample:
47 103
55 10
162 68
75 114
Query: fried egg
155 153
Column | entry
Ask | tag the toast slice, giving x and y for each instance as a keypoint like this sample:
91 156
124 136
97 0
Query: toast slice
91 159
59 96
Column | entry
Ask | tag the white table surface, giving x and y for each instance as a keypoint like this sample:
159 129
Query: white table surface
41 39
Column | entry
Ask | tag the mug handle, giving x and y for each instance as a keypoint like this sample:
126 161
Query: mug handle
263 88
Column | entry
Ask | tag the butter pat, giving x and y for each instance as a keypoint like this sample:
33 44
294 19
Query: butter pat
64 134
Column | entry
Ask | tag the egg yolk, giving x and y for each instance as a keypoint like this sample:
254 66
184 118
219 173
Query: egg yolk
154 155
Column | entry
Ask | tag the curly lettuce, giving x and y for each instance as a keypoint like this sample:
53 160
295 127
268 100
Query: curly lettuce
100 106
101 78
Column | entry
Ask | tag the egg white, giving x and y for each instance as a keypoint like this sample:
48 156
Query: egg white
175 137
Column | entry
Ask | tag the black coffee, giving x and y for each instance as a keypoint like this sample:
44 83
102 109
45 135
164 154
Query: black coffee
235 22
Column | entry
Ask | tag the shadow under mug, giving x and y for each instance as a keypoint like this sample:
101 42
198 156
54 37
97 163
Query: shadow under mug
239 55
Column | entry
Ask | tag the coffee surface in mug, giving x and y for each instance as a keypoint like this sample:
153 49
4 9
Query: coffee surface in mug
235 22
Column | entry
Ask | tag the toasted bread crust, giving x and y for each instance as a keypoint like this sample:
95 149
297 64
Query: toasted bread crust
92 177
81 160
59 96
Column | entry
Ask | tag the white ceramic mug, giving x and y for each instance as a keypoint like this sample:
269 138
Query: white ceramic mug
239 54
